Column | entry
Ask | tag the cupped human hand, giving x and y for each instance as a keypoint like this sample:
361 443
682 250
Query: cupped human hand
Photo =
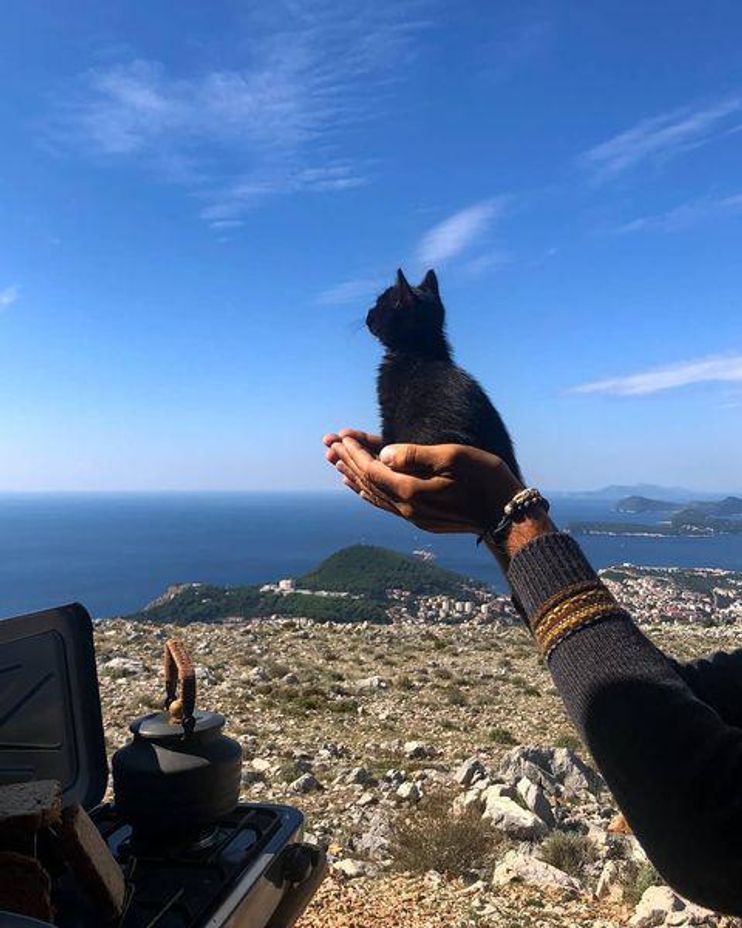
439 488
372 443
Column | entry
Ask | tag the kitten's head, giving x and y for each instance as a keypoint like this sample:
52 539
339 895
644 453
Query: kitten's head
409 318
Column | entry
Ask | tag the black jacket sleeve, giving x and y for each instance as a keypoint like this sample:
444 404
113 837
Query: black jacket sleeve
717 680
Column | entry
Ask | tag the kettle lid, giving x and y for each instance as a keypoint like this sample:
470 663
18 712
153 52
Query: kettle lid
158 726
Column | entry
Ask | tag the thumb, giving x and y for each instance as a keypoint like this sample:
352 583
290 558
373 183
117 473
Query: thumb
409 459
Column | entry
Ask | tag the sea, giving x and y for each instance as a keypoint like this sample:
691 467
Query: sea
114 553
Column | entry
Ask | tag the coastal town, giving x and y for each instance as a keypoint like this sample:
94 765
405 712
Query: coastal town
706 596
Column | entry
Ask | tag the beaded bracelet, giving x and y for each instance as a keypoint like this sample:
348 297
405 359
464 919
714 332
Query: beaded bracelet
514 511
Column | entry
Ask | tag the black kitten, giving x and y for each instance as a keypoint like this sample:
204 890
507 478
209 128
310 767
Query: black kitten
424 397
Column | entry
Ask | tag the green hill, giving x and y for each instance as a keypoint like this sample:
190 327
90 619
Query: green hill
363 571
371 571
200 602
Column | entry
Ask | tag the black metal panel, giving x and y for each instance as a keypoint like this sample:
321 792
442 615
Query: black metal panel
50 716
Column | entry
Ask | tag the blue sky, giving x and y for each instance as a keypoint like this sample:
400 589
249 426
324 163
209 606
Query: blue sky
199 201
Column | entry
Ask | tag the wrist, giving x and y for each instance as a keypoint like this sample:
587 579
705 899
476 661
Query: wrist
534 525
518 534
497 493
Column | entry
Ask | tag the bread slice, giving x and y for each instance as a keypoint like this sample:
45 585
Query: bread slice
27 807
25 887
98 875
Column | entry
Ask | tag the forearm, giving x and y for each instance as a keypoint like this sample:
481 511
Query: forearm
672 763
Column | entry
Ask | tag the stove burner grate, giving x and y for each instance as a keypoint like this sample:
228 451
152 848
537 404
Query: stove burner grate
181 888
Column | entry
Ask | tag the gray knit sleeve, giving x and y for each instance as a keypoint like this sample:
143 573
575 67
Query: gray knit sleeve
672 762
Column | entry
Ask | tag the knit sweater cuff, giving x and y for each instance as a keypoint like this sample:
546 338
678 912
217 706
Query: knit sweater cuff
557 589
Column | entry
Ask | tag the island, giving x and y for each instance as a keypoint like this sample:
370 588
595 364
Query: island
636 504
729 506
698 518
361 583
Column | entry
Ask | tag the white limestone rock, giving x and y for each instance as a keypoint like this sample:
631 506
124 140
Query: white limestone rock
655 906
359 775
518 867
611 881
351 869
514 820
409 792
257 675
574 774
498 791
471 799
418 750
306 783
370 684
125 667
472 769
553 769
535 799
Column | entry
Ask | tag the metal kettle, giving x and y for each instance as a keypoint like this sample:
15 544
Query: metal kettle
179 773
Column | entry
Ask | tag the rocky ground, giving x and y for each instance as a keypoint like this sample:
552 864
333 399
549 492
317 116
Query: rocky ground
436 765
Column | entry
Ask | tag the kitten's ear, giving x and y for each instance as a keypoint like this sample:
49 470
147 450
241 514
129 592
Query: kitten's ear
406 296
430 283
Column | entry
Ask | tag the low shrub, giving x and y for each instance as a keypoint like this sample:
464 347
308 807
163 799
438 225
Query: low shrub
455 697
431 837
569 741
571 853
638 880
500 735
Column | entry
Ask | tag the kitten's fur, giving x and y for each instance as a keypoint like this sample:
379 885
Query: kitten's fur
423 396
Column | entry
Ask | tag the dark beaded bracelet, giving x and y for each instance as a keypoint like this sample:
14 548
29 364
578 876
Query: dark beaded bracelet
515 511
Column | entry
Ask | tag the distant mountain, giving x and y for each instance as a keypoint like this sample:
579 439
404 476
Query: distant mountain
649 490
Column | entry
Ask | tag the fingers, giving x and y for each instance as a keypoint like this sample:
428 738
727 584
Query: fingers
365 492
332 454
371 472
420 459
372 442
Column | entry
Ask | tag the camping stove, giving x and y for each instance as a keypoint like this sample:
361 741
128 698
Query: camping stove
248 871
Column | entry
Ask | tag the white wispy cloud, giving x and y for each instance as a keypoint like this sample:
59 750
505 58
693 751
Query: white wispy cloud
685 215
224 224
277 125
489 261
8 296
349 291
717 368
664 136
457 233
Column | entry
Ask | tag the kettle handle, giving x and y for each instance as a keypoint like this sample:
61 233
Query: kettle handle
180 684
